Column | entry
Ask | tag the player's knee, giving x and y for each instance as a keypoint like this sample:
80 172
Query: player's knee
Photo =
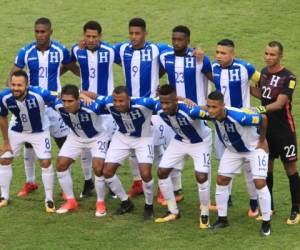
223 180
45 163
201 177
162 173
290 168
6 161
259 183
62 164
108 170
98 169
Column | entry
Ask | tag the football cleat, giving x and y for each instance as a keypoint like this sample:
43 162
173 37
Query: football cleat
112 194
70 205
293 219
204 222
136 189
3 202
148 212
220 223
253 214
168 217
100 209
27 188
259 217
125 207
265 229
88 188
49 206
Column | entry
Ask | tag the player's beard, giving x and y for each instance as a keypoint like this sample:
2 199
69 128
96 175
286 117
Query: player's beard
19 95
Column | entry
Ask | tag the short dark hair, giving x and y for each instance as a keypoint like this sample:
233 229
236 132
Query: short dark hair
226 42
276 44
166 89
120 89
92 25
70 89
182 29
216 95
137 22
44 21
20 73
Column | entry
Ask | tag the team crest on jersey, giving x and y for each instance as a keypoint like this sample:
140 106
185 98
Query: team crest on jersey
255 119
53 55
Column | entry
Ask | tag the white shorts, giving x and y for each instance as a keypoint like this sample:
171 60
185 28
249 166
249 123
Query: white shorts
158 130
177 150
232 162
57 127
74 146
121 146
41 143
219 147
110 125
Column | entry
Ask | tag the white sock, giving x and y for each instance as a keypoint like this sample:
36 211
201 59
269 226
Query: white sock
230 187
48 181
66 183
86 164
29 164
176 180
148 191
166 188
264 199
100 187
250 183
135 168
222 195
5 180
115 185
204 197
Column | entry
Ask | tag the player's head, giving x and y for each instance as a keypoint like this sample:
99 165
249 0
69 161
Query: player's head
168 99
43 31
92 34
215 105
273 54
70 98
225 52
19 84
121 99
180 38
137 32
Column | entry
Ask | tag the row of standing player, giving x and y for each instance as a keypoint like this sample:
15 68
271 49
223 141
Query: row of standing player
179 64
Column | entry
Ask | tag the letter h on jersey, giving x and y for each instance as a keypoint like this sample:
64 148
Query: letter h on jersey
53 56
103 57
31 104
234 75
146 55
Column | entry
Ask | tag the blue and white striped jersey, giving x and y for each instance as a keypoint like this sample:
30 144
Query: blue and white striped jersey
233 82
28 115
140 67
96 68
87 122
187 75
239 130
43 67
186 123
136 122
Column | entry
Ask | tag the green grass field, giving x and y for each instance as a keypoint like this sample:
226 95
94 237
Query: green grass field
251 24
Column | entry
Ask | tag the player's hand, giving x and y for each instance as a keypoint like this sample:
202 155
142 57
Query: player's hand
86 100
82 44
199 54
261 109
187 101
263 145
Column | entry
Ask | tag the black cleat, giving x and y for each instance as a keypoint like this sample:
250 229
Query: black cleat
112 194
148 212
125 207
220 223
88 188
265 229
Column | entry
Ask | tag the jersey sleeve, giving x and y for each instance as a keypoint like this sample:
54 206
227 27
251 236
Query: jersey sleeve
206 65
73 56
198 113
99 105
150 102
48 96
3 109
163 47
250 70
289 86
20 59
117 53
66 55
250 119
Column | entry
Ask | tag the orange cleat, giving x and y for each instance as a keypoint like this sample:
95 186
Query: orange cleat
100 209
71 204
136 189
27 188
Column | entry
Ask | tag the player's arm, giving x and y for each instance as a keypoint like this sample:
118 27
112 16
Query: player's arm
89 94
187 101
281 100
19 64
72 66
262 142
4 131
255 91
